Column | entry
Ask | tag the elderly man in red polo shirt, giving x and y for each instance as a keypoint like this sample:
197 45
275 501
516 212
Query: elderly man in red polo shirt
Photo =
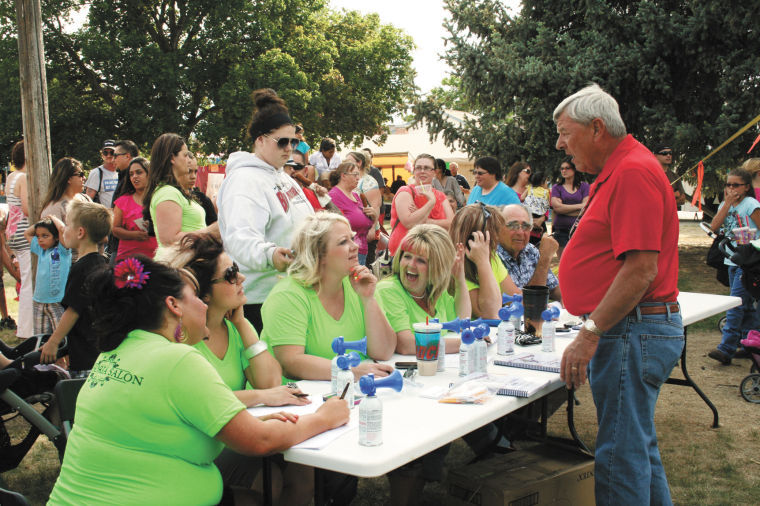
620 271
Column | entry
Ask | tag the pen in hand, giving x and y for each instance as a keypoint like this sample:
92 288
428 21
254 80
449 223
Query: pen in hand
345 390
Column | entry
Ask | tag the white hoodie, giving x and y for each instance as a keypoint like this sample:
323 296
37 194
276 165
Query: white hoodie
259 209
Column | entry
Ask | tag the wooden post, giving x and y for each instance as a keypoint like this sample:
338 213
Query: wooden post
34 102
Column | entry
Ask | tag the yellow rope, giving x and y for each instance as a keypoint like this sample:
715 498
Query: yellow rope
737 134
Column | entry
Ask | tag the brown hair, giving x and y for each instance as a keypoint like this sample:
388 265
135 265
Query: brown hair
341 169
472 218
269 114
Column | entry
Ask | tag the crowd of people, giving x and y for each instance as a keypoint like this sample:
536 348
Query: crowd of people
209 317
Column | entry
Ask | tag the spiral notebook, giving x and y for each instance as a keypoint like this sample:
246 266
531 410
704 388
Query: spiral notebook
538 361
520 387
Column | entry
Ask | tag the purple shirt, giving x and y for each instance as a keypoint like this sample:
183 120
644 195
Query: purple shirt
354 213
562 221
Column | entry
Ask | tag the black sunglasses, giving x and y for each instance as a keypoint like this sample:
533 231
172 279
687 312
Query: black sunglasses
230 275
282 142
735 185
665 153
486 215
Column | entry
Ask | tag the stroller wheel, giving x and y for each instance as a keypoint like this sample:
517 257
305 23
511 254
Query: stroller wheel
754 369
721 323
750 388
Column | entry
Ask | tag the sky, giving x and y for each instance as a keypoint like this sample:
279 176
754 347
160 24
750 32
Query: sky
423 20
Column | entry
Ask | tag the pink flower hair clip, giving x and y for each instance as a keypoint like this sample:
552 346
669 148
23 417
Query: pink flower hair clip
130 273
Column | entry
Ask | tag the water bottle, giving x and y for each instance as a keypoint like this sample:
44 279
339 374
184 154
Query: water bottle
465 353
441 354
371 408
480 351
341 346
505 333
346 376
547 329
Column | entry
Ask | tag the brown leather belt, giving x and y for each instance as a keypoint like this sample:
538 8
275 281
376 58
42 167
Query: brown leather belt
658 309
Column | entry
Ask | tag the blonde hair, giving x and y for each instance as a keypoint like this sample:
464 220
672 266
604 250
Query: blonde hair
310 246
432 242
752 165
471 219
94 218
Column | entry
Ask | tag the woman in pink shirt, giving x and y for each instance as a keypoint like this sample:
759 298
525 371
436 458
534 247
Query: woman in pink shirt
344 180
128 224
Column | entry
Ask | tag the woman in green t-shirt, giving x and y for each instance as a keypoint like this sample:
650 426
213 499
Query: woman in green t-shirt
479 227
427 268
326 294
167 204
154 414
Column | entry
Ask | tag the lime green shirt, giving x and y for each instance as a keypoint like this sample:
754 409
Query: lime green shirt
293 314
401 309
499 272
145 425
193 215
232 367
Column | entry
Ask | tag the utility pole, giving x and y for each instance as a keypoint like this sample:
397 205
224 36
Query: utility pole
34 103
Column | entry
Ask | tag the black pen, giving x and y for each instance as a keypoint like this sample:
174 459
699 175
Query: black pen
344 391
301 395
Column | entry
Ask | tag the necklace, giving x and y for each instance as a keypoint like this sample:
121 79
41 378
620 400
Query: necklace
418 297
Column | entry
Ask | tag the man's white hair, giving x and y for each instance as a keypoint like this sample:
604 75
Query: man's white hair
589 103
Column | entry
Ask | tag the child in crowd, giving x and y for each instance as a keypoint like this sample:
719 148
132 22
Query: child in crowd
87 225
53 263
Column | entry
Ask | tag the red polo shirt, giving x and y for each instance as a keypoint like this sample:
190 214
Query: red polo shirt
631 208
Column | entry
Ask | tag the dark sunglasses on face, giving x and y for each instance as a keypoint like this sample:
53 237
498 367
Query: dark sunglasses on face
665 153
517 225
527 171
565 167
107 152
282 142
230 275
735 185
78 174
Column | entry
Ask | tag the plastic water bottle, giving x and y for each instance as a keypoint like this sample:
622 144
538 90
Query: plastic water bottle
466 364
547 329
371 408
441 354
346 376
480 351
505 333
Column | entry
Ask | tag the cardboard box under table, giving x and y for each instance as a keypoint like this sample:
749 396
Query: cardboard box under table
541 475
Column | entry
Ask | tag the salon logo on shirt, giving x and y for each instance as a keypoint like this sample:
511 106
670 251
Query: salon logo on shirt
107 369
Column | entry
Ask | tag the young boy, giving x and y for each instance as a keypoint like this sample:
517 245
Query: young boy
87 224
53 263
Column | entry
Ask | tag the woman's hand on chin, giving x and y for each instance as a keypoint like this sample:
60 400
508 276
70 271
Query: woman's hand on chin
362 281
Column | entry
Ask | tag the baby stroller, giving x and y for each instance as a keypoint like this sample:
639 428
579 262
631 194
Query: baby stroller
21 388
750 385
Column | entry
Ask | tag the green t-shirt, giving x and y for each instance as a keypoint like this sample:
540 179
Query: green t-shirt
232 367
293 314
499 272
145 425
401 309
193 215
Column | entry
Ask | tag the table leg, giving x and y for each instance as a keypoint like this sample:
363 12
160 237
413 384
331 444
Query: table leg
688 382
571 400
266 471
319 487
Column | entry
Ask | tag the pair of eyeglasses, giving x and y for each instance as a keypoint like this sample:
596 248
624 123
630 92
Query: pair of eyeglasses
479 172
565 167
735 185
230 275
527 171
107 152
422 168
486 215
665 153
355 174
117 155
517 225
282 142
78 174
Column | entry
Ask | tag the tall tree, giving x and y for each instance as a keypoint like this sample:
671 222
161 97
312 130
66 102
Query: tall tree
683 72
139 68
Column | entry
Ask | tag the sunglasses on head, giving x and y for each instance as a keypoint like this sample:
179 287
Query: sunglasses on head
282 142
230 275
486 215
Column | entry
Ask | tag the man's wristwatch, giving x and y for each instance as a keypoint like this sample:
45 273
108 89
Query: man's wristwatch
255 349
591 327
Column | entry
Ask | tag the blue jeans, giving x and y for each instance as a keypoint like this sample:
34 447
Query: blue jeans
632 361
741 319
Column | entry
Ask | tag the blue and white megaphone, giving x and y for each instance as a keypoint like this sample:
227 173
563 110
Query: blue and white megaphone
481 331
368 384
351 360
340 345
550 313
511 298
456 325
